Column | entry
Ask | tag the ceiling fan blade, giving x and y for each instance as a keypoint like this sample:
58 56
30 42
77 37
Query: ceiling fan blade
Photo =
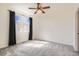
42 11
46 7
32 8
38 4
35 11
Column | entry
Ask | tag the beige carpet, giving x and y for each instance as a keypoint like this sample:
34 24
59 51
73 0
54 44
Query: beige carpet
38 48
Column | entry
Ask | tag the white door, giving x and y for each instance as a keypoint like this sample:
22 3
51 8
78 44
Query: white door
76 41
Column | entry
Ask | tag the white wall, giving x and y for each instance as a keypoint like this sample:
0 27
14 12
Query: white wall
57 25
4 22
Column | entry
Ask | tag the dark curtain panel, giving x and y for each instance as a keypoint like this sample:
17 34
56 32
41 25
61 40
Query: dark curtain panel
30 33
12 29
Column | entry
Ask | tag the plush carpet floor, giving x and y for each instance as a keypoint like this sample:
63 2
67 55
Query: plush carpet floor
38 48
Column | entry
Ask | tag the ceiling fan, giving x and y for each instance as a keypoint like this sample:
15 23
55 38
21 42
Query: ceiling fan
39 7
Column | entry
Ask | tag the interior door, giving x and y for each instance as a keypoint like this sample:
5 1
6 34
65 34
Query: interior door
76 41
